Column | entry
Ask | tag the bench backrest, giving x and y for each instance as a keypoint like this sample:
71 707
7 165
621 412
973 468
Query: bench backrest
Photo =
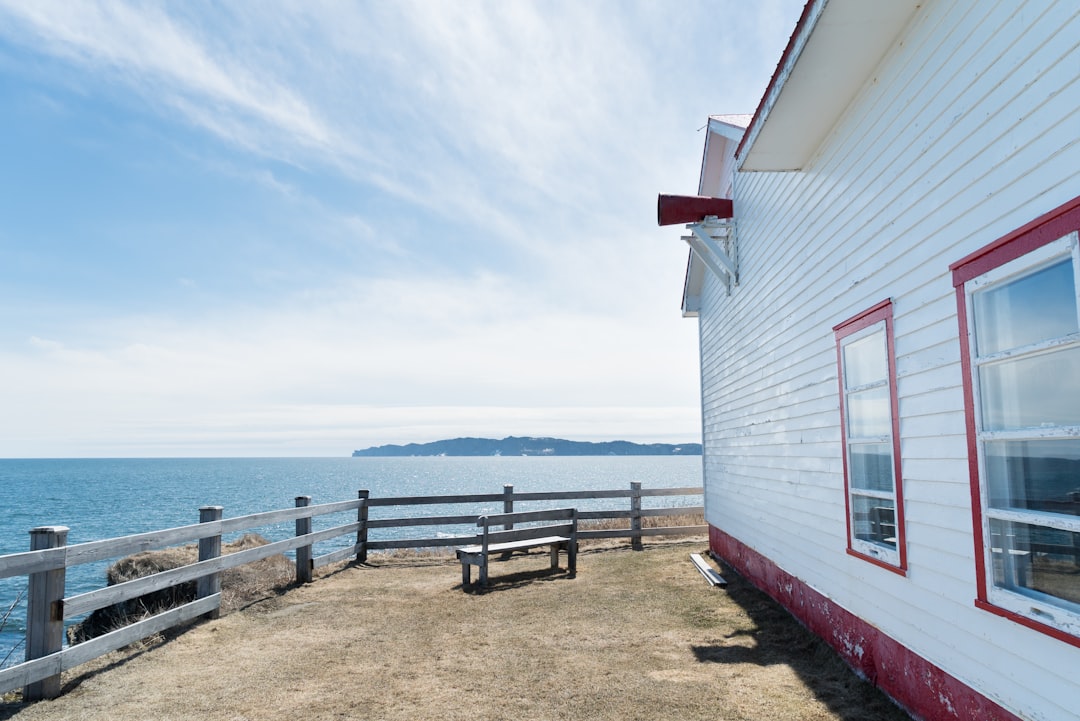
489 525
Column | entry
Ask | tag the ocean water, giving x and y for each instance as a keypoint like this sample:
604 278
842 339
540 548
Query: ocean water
105 498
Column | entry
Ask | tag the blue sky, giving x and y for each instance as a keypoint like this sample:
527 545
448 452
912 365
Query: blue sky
308 227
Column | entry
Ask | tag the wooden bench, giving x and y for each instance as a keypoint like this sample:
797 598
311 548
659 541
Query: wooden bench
559 531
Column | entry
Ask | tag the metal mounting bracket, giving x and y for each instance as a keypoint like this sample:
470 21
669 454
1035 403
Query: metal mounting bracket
713 241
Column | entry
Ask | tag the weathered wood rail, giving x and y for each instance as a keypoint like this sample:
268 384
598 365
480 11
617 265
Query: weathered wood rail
49 557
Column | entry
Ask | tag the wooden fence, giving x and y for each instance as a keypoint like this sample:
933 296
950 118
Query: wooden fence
49 557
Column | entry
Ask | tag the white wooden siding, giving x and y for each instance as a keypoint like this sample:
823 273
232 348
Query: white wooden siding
968 130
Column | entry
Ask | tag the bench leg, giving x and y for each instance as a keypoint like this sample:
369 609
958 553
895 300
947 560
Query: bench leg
466 575
554 555
571 557
484 572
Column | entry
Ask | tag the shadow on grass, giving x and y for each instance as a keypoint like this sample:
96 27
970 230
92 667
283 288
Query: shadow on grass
778 638
518 579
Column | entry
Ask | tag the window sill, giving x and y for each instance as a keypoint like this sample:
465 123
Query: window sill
1029 622
899 570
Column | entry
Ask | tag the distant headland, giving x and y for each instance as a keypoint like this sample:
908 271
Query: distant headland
515 446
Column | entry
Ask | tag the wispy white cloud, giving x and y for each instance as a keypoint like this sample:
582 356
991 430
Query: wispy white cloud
168 62
429 102
468 192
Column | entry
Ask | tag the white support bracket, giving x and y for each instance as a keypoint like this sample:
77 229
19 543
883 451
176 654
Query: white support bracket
713 241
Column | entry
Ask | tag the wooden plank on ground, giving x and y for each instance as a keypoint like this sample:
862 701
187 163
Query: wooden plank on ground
710 574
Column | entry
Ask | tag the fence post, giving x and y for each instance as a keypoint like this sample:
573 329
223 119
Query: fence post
209 547
508 507
303 553
361 533
508 503
635 515
45 611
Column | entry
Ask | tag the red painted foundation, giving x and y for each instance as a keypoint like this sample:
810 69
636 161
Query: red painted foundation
926 691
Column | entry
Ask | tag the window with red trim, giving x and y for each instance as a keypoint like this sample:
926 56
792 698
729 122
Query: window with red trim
1020 319
870 424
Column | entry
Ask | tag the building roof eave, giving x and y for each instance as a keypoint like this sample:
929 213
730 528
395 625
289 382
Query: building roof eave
831 55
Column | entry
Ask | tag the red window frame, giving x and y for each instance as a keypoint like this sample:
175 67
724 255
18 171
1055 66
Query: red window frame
1036 234
880 313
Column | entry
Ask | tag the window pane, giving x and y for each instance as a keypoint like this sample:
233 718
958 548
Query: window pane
1036 558
864 361
874 520
868 413
1034 475
871 466
1032 391
1036 307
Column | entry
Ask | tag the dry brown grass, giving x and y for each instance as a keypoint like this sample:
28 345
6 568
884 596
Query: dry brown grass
685 519
636 635
240 586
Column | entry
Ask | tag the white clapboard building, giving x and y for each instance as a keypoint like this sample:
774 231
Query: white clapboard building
885 273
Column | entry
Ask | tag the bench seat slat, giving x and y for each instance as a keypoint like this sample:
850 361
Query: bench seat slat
514 545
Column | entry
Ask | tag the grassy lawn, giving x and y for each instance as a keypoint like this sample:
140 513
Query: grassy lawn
636 635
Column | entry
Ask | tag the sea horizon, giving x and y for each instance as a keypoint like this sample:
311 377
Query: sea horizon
98 498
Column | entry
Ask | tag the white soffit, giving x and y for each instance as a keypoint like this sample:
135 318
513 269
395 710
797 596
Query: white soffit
830 57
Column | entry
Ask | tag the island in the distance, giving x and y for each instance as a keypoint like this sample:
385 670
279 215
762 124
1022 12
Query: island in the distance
515 446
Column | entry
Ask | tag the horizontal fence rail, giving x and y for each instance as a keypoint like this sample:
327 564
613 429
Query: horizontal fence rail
45 565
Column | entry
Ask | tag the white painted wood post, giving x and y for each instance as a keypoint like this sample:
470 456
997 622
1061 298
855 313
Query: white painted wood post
45 611
209 547
635 515
361 533
303 553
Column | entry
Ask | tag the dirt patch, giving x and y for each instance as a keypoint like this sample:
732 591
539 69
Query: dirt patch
634 635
